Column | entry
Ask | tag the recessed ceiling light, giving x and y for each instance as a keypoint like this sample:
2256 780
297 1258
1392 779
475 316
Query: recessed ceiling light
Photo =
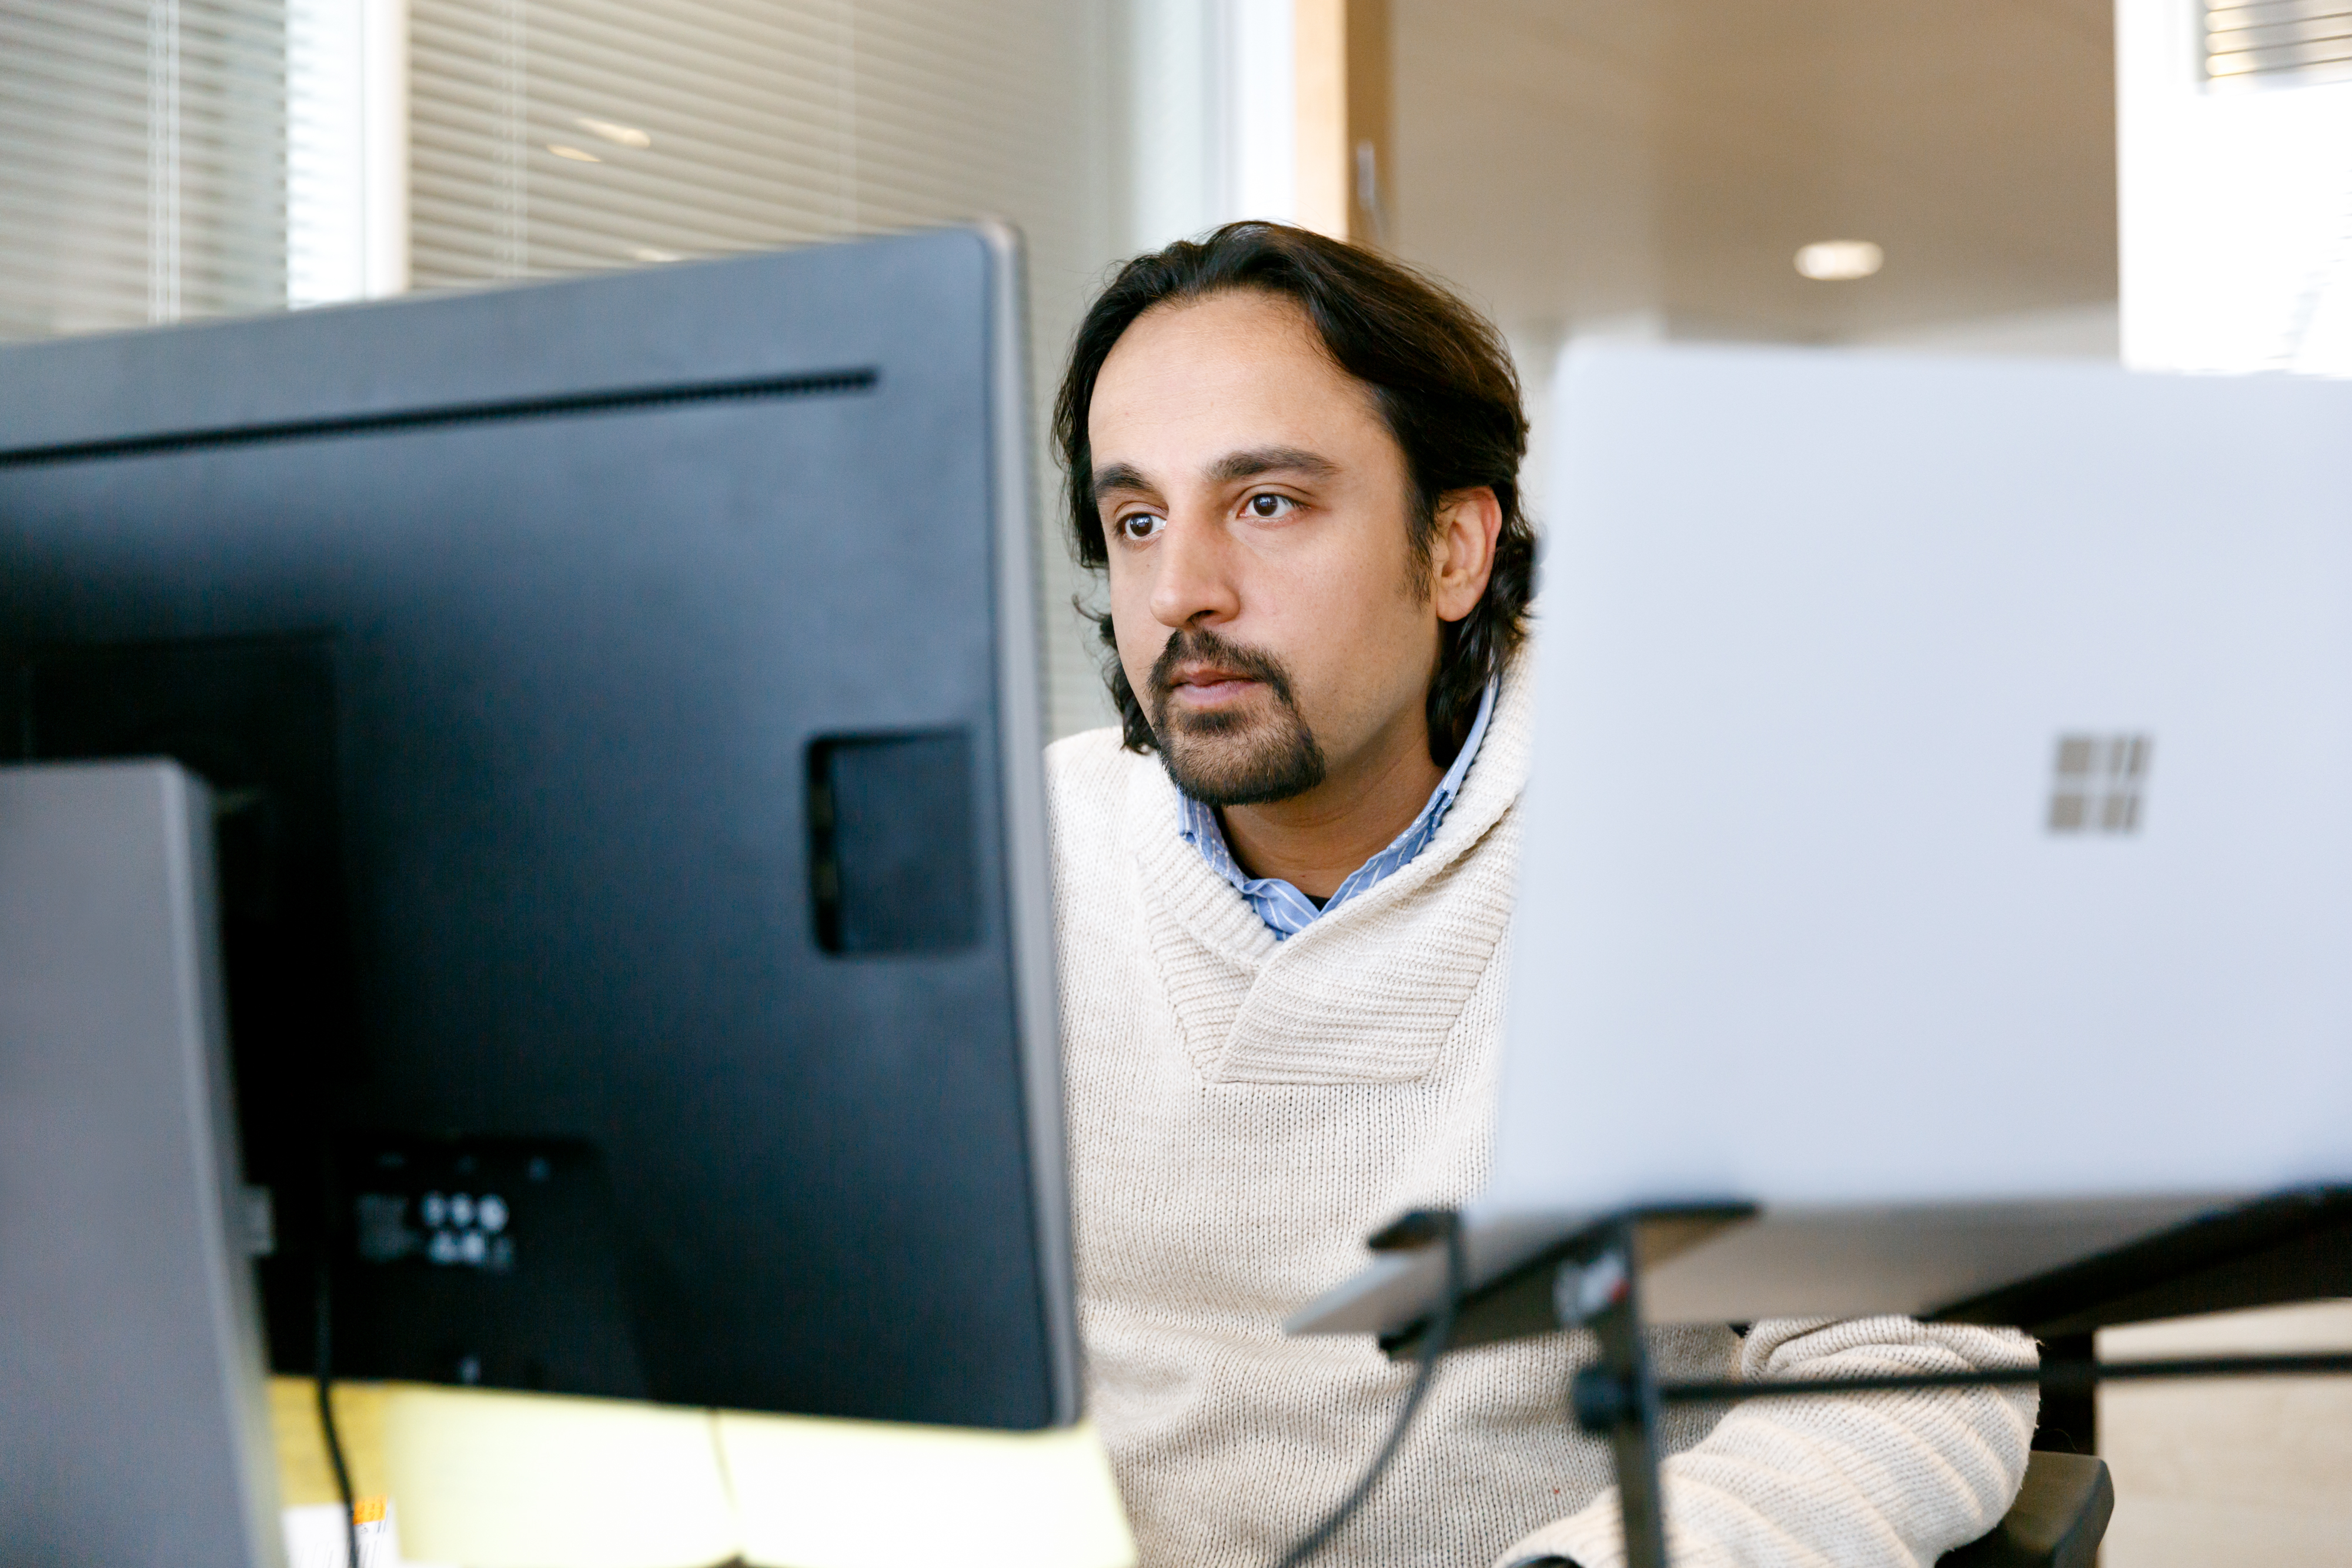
622 135
1838 260
574 153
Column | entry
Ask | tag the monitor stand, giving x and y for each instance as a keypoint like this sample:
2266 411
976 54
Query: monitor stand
1597 1287
127 1273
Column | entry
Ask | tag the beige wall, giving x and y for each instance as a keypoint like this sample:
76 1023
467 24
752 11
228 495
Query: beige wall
1573 161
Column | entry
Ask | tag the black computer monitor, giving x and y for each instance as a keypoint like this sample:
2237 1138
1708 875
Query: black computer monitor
622 701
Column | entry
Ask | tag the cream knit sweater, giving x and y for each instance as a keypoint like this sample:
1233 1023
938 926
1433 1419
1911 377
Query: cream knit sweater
1243 1113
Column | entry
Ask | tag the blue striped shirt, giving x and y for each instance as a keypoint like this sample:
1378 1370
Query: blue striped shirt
1282 906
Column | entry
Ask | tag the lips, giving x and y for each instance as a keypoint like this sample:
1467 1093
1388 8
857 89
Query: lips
1201 679
1208 686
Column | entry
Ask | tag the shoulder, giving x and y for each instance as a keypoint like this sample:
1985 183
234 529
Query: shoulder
1091 765
1073 757
1086 780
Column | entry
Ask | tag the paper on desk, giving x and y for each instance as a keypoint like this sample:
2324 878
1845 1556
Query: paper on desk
872 1494
315 1536
511 1480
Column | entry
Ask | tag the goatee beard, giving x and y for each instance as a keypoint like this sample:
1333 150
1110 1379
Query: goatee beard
1228 757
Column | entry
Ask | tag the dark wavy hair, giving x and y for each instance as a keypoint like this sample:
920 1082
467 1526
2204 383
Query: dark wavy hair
1443 382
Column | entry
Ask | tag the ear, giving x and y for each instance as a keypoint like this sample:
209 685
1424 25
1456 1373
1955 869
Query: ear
1462 549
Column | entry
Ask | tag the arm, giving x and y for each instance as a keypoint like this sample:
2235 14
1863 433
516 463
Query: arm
1870 1480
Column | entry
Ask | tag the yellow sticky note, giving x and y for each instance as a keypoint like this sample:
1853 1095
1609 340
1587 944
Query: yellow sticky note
305 1474
514 1480
520 1480
868 1494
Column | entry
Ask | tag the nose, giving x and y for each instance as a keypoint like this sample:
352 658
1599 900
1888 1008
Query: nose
1191 576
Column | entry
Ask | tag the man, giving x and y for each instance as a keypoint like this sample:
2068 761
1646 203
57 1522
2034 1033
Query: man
1284 888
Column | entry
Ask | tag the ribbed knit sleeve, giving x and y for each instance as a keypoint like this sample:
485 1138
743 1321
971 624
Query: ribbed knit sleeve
1873 1481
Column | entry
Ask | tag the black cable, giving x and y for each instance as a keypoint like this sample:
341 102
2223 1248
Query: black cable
1599 1395
322 1370
1440 1330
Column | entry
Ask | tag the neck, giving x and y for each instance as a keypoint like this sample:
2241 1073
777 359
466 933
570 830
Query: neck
1314 841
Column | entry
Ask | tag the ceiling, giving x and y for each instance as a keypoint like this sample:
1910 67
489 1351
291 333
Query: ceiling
1572 162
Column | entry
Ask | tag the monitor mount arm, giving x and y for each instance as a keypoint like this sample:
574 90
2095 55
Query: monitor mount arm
1595 1285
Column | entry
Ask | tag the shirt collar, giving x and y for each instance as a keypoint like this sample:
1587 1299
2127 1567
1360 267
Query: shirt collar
1284 909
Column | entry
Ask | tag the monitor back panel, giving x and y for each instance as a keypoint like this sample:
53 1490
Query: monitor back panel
1940 790
621 699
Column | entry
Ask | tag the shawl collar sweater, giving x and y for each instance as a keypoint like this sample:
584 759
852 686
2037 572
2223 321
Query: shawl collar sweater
1244 1111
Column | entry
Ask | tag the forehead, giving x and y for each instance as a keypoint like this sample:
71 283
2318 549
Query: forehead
1188 382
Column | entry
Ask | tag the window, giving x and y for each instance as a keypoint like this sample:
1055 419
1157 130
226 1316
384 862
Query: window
141 161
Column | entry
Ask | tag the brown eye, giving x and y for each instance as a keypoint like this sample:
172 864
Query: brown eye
1270 506
1137 526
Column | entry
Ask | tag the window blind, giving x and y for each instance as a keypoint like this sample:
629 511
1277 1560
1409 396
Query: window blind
553 136
565 136
2278 40
148 149
141 161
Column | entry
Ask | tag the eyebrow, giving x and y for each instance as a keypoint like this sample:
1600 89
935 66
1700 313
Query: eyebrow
1121 477
1271 460
1225 470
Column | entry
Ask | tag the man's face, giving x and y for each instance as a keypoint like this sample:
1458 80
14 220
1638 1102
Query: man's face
1257 513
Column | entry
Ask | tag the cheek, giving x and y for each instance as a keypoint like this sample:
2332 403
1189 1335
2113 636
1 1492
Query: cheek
1358 639
1336 592
1141 636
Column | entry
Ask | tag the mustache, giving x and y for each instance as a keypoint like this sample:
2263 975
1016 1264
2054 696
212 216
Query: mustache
1199 644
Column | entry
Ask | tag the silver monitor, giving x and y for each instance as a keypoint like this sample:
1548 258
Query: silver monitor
132 1426
1935 836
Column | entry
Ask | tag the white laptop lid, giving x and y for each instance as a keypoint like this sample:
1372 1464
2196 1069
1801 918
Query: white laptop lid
1822 901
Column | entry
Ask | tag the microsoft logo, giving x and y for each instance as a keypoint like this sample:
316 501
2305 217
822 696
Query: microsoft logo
2098 783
